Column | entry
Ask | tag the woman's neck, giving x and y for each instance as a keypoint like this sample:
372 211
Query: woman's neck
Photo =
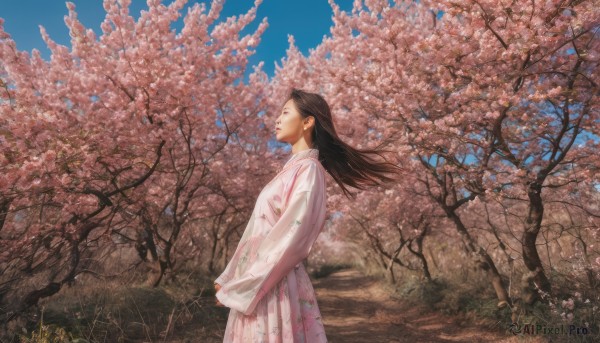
301 145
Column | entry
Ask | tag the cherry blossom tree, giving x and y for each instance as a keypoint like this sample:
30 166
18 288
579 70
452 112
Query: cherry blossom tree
118 138
526 76
396 225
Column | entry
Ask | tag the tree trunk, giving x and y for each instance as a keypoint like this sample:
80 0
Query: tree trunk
531 258
390 267
4 206
483 259
213 252
419 253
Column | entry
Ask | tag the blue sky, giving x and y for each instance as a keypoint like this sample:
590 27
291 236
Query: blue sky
306 20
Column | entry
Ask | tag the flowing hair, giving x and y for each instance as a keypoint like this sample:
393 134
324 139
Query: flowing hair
348 166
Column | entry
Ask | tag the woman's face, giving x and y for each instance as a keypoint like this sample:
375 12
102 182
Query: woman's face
289 126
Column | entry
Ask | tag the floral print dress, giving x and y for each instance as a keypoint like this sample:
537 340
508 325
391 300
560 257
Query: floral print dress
265 283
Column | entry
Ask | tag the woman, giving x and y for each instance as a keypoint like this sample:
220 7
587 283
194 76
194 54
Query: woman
265 283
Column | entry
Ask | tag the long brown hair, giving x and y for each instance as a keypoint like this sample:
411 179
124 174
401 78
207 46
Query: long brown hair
348 166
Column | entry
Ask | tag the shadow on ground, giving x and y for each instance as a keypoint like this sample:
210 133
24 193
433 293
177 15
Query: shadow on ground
356 308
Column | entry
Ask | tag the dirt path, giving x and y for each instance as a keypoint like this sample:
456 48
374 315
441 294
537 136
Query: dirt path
356 308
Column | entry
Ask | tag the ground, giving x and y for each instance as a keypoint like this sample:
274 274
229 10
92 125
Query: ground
358 308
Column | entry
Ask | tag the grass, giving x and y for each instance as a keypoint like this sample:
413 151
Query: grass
126 311
328 269
474 302
181 311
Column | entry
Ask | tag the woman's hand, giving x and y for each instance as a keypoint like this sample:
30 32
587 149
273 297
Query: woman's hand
217 288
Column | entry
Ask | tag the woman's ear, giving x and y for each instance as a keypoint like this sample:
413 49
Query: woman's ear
309 122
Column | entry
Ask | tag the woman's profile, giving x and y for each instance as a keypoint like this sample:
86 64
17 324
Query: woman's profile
265 283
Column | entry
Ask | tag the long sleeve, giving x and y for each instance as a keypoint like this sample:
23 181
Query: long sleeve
229 271
287 243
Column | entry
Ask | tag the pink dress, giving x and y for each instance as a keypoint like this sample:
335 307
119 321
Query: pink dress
265 283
